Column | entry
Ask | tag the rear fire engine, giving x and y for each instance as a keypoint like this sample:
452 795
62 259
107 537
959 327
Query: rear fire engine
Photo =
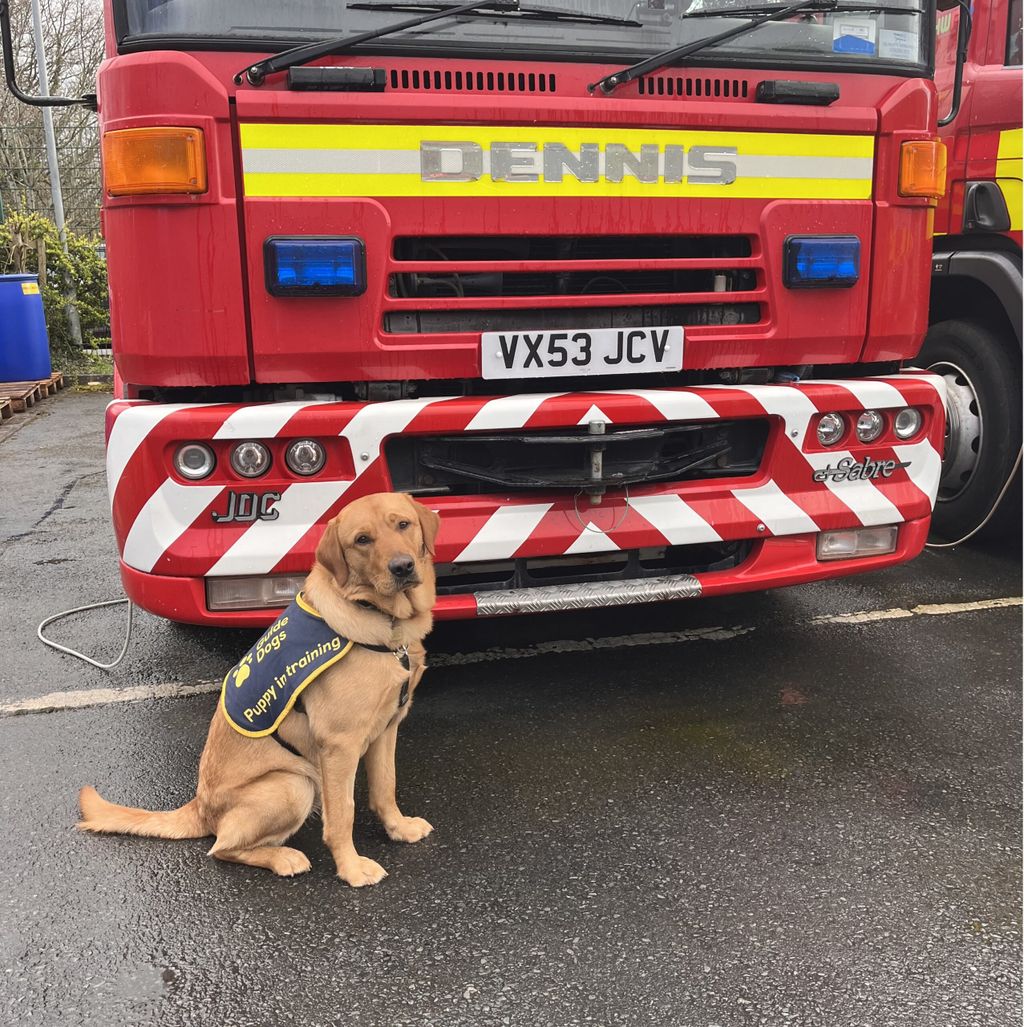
621 290
974 340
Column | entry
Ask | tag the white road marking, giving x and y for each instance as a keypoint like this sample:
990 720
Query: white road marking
926 609
55 701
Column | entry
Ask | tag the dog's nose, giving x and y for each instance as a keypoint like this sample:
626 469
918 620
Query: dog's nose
401 567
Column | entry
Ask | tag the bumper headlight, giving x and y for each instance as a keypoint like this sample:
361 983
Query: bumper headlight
194 461
831 428
870 425
252 593
907 423
853 542
305 456
250 459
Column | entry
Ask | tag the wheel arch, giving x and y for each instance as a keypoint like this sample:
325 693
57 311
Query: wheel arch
979 286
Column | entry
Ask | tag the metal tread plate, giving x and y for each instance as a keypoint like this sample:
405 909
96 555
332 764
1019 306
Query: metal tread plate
583 595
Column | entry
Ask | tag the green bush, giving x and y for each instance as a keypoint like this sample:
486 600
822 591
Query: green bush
22 236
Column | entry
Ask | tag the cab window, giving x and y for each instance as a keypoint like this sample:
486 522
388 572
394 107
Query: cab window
1013 35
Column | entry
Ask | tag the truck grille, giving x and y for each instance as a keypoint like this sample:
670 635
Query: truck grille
435 283
474 463
621 565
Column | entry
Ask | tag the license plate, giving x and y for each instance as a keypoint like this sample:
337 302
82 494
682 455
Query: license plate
611 351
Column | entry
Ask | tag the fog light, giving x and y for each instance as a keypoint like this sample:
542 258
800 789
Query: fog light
315 266
306 456
907 423
870 425
194 461
821 261
845 545
831 428
250 459
255 593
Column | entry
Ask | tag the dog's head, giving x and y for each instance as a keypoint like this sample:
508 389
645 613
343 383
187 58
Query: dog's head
381 544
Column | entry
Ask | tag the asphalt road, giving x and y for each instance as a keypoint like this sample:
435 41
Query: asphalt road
749 810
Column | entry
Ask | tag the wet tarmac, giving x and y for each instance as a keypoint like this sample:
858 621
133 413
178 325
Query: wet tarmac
749 810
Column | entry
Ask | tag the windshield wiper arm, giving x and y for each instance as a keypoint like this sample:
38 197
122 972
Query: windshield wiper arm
846 8
256 74
659 60
520 13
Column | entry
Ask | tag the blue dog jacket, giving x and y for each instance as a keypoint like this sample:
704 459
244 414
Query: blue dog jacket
261 689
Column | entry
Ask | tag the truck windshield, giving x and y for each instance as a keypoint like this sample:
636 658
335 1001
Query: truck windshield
812 39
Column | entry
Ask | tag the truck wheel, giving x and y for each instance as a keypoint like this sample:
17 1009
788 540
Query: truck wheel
983 424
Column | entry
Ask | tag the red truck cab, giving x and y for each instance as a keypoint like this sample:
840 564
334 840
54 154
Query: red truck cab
974 339
634 338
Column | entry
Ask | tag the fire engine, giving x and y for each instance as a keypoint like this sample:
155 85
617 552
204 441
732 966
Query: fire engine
974 340
623 291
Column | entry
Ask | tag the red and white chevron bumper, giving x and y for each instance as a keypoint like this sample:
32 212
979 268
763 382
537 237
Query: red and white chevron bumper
170 543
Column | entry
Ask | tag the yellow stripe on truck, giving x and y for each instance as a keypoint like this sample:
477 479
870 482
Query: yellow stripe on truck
1008 175
446 160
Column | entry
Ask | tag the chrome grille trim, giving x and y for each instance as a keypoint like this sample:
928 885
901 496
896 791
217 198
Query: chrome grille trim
584 595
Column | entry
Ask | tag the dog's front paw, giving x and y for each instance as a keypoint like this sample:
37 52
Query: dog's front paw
408 829
362 872
289 862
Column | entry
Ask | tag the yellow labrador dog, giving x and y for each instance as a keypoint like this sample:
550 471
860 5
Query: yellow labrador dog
372 591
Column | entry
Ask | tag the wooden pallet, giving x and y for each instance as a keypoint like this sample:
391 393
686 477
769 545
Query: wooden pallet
21 394
6 409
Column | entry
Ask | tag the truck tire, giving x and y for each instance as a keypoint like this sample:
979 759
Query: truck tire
983 425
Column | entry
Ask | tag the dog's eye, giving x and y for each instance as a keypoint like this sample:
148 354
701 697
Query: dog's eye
402 525
363 540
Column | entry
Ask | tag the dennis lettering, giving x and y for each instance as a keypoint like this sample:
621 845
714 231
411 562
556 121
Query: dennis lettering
849 469
591 162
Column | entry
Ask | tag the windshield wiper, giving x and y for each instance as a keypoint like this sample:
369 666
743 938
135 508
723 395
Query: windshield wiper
520 13
759 16
743 12
256 74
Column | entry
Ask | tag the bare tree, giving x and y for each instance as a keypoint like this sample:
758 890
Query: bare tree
73 39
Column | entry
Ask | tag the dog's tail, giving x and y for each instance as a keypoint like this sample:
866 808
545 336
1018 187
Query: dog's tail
107 818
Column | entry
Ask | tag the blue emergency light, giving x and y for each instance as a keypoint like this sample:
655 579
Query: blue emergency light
314 265
821 261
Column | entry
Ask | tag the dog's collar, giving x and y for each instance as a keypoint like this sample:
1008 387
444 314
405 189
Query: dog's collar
401 653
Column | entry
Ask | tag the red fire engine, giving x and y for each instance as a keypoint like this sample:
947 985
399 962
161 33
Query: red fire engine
622 290
975 337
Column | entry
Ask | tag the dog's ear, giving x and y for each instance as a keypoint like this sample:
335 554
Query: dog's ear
429 524
331 554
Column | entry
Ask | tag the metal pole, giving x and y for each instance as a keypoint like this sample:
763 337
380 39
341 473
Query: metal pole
51 160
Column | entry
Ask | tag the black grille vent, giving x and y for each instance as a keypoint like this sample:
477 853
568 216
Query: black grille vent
568 247
437 321
686 87
435 80
478 463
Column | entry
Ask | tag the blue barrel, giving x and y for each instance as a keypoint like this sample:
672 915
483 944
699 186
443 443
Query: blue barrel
24 344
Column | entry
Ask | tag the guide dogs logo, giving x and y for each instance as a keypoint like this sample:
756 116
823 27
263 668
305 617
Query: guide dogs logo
242 671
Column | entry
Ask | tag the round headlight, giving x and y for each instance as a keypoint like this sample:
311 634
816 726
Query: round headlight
250 459
194 461
831 428
907 423
870 425
305 456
